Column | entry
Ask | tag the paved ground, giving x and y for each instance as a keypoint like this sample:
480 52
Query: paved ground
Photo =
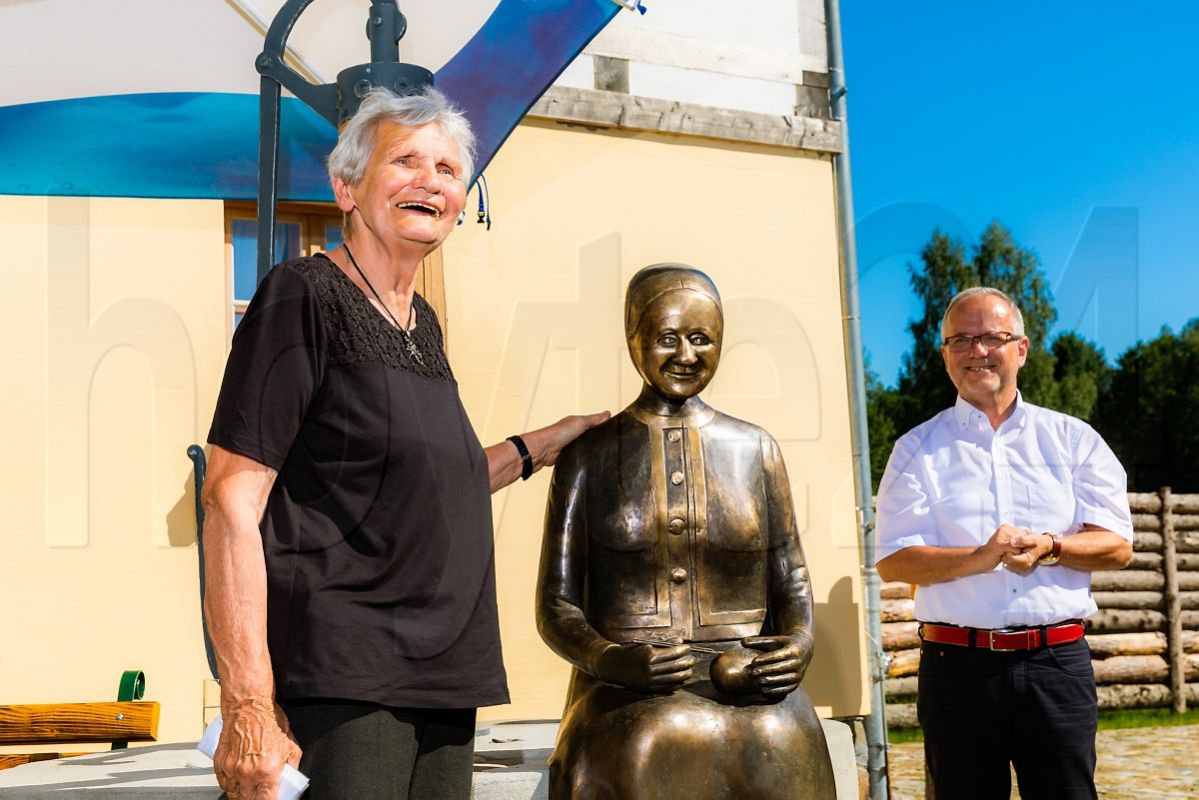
1134 764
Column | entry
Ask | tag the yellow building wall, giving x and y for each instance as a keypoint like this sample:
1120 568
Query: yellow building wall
535 307
115 321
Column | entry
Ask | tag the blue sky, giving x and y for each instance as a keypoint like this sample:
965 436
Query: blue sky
1075 124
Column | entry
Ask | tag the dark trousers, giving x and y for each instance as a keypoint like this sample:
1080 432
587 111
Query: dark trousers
981 710
362 751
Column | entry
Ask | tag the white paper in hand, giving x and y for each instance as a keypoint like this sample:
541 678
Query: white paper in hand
291 784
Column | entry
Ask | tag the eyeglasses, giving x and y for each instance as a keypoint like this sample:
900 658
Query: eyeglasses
964 343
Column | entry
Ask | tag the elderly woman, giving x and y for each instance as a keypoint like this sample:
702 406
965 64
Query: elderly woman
351 591
672 578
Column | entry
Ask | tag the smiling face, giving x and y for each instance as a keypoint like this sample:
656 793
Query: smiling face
984 378
676 345
412 191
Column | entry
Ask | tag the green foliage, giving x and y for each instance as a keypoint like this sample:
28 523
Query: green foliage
924 387
882 409
1110 719
1080 376
1147 412
995 261
904 735
1145 408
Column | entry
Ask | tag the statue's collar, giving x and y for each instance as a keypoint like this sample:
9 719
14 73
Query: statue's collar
694 413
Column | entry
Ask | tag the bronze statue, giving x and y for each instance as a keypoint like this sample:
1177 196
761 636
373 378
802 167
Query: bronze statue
672 578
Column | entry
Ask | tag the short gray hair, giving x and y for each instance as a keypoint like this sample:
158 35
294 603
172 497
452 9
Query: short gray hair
984 291
356 139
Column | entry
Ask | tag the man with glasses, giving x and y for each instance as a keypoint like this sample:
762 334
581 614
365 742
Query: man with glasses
998 510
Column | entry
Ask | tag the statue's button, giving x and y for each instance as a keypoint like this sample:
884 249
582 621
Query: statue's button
676 478
678 574
672 436
676 525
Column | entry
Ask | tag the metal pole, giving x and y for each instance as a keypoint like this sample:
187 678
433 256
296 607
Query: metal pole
335 102
385 27
876 724
268 171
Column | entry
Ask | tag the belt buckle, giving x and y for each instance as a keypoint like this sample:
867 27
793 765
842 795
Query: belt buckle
991 640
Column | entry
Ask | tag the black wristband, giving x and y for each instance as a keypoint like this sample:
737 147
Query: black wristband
526 460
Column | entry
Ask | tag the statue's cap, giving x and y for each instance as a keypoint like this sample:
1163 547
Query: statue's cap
653 281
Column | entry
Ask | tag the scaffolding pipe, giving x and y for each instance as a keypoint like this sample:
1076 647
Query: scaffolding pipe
876 723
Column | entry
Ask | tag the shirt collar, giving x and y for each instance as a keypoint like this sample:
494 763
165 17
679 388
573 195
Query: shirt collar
967 415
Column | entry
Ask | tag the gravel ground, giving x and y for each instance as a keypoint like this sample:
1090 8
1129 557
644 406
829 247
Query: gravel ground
1134 764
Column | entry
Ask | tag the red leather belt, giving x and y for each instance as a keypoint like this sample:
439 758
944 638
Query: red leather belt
1003 639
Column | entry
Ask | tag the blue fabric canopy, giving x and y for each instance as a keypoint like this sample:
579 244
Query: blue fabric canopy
205 144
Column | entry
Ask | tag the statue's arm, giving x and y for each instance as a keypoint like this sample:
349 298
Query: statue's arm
789 590
563 572
788 641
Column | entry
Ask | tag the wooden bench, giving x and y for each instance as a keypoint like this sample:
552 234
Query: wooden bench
129 719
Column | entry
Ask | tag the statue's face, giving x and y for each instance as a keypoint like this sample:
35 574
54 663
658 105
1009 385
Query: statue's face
676 346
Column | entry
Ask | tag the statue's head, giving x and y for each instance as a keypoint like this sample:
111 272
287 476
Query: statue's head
674 324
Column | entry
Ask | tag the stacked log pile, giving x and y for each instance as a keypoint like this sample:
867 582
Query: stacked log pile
1144 639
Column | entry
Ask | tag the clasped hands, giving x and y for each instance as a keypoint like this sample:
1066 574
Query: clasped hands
1018 549
656 669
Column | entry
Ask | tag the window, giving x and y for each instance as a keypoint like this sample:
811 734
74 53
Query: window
300 230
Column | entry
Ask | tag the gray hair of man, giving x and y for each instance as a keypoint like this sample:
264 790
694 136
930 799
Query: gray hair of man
357 136
984 291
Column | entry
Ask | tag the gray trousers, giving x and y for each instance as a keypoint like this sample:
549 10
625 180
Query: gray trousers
363 751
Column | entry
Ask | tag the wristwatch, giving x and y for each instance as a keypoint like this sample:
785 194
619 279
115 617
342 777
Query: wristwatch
1055 553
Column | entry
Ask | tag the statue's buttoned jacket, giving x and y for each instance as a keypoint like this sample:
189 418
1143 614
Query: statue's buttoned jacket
656 537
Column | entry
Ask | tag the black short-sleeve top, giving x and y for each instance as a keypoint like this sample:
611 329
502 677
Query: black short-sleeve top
377 531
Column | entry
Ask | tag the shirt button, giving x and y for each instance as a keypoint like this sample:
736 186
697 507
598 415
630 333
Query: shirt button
676 478
678 574
673 436
676 525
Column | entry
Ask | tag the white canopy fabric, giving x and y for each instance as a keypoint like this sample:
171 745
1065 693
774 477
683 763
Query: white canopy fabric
158 98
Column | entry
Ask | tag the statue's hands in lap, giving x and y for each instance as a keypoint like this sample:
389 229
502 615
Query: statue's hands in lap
646 668
783 662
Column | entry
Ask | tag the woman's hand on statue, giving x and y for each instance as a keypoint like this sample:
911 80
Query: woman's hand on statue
545 444
646 668
783 662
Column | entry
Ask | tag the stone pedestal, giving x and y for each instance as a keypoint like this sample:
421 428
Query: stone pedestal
510 764
510 760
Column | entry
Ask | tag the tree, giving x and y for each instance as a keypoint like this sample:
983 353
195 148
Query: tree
882 408
1080 375
996 261
1148 414
1144 408
1071 376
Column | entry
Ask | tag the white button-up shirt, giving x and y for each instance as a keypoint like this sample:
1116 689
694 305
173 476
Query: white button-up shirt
952 481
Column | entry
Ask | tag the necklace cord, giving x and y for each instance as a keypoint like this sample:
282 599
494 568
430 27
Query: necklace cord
409 344
369 285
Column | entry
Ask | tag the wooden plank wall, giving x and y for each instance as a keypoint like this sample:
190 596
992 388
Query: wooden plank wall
1145 637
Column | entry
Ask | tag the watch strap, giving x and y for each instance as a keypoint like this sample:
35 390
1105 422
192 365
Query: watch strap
1055 553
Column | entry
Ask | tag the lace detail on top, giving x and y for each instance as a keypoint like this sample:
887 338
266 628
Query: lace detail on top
357 332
